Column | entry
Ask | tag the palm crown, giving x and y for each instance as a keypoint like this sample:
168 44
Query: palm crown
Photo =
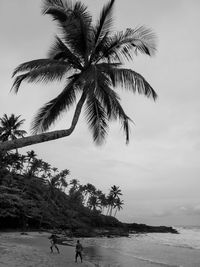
89 57
10 127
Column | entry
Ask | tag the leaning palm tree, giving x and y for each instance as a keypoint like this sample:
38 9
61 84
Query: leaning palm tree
89 58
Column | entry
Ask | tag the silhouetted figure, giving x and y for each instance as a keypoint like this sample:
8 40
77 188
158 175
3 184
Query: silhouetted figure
79 250
54 240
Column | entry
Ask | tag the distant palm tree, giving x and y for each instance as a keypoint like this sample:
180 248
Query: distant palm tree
63 174
90 189
110 203
115 191
36 167
118 205
114 194
89 57
74 185
31 155
46 167
94 202
103 201
10 128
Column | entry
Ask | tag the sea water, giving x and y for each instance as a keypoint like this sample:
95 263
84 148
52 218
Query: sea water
147 250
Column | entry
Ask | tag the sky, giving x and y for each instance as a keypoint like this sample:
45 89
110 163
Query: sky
158 172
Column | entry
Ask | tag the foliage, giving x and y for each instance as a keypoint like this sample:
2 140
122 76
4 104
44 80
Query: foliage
35 194
10 127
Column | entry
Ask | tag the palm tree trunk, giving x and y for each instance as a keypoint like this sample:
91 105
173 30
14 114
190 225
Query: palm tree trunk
115 212
111 210
45 137
108 210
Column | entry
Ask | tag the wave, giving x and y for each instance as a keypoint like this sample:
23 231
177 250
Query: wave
182 246
159 263
140 259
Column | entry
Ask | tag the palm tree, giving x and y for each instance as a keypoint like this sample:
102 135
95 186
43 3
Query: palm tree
36 167
118 205
10 128
31 155
115 191
110 203
90 189
93 202
63 174
46 168
89 57
103 201
114 194
75 185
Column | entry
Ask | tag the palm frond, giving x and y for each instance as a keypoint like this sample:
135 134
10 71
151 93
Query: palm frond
47 4
104 93
118 113
57 13
109 100
142 39
122 44
49 113
36 64
19 123
75 24
96 118
128 79
105 22
126 128
59 51
43 74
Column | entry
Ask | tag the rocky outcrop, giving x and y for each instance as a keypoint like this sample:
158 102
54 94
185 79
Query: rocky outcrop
143 228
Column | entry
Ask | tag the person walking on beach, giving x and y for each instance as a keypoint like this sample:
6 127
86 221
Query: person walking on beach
54 240
79 250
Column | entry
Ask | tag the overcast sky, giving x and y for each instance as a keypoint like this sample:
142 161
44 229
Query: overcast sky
158 171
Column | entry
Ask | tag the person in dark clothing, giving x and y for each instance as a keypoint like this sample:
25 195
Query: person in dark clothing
79 250
54 240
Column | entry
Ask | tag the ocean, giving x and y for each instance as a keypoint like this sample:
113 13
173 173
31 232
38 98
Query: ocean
146 250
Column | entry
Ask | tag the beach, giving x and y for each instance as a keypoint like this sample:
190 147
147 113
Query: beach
33 250
139 250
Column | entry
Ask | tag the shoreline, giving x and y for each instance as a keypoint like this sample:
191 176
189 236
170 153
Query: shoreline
33 249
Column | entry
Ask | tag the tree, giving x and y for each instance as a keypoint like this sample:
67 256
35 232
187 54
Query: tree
114 194
93 202
118 205
10 127
115 191
63 174
89 57
74 185
110 203
46 167
102 200
30 158
90 189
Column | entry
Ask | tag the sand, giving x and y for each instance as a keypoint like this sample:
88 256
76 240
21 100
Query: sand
33 250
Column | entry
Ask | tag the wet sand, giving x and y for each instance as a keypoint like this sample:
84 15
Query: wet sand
32 250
